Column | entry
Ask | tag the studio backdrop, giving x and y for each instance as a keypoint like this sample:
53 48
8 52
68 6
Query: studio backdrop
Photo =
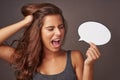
75 12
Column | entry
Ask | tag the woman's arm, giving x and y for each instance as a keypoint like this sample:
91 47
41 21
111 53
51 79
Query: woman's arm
6 32
6 53
92 55
84 68
78 64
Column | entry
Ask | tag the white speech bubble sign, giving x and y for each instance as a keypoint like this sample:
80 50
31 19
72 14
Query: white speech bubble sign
94 32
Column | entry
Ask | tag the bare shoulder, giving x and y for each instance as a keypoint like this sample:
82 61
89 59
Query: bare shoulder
78 63
77 57
76 54
6 52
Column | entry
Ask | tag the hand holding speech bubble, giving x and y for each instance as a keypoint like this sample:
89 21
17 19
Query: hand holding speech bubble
94 32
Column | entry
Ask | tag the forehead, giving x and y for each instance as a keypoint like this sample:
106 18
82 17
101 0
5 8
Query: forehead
51 20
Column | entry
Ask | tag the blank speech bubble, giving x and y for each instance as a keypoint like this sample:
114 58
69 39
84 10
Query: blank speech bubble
94 32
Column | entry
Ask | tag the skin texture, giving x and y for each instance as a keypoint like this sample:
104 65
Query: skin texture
52 30
52 33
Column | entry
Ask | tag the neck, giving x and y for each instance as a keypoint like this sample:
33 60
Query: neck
51 55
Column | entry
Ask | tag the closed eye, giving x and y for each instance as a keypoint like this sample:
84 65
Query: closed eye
50 28
61 26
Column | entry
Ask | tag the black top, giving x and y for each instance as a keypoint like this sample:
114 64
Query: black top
67 74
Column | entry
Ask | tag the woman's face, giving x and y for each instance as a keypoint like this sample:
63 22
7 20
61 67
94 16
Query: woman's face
52 32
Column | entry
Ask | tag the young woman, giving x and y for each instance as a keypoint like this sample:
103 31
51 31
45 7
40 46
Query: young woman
38 55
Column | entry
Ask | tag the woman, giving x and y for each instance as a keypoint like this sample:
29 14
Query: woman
38 55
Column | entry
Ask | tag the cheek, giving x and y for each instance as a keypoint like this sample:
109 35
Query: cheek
46 36
63 33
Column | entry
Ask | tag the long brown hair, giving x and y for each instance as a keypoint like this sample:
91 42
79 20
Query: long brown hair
28 54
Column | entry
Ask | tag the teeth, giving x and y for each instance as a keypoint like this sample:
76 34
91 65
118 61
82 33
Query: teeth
56 40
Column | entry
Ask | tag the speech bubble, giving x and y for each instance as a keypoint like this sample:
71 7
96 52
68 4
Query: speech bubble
94 32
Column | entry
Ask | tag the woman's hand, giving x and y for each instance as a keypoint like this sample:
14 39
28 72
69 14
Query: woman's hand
92 54
28 19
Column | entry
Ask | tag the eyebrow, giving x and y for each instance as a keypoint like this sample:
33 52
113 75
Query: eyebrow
50 27
54 26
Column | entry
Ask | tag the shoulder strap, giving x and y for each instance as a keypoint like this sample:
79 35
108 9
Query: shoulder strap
69 60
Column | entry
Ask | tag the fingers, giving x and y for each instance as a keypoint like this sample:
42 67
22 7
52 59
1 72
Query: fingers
29 18
95 50
92 54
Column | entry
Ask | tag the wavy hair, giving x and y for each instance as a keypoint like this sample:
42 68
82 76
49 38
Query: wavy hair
28 54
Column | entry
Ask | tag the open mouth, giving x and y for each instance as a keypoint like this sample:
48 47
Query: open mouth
56 43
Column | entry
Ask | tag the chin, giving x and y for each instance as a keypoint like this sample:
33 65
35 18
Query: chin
55 50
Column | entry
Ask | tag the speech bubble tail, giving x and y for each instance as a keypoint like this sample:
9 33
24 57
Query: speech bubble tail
80 39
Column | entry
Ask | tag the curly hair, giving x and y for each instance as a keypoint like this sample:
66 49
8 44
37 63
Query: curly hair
28 54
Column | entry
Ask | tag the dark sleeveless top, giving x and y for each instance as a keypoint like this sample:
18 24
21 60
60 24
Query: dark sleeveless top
67 74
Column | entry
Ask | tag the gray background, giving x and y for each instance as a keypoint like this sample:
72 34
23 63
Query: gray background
76 12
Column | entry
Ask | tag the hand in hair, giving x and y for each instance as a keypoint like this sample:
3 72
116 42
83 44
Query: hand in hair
28 19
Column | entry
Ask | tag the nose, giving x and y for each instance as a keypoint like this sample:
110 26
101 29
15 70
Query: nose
58 32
